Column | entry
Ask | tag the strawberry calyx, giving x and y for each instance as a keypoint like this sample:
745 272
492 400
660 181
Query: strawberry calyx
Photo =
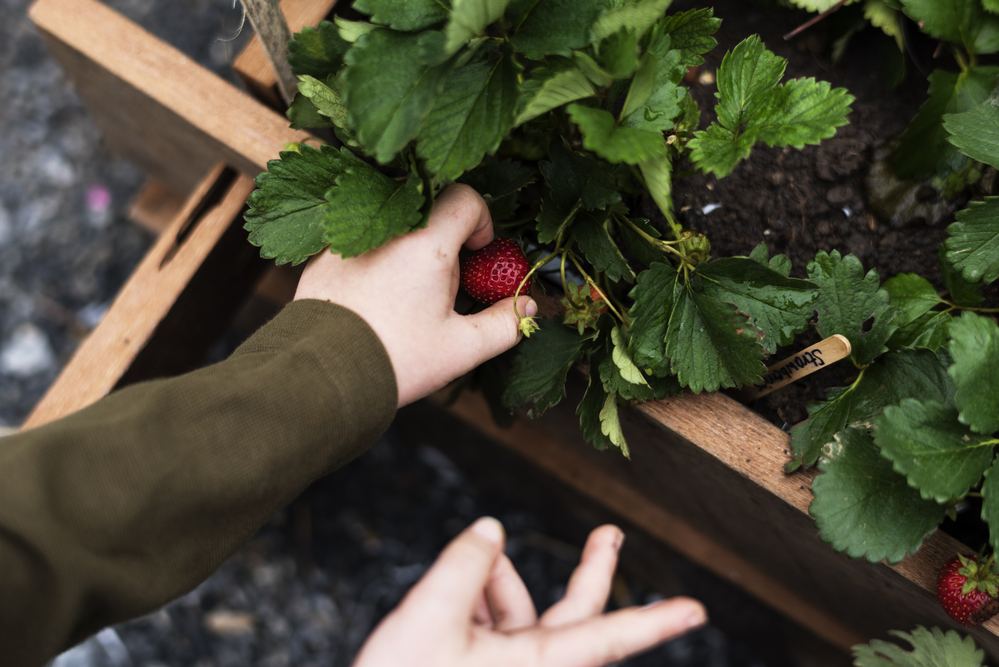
980 577
582 309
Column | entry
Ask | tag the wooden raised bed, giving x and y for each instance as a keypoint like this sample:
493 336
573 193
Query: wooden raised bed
706 474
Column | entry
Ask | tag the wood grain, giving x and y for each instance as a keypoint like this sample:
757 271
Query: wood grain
155 106
566 463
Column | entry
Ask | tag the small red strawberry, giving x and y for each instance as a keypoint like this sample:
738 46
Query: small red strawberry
967 590
494 272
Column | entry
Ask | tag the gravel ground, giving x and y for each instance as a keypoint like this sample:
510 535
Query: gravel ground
310 587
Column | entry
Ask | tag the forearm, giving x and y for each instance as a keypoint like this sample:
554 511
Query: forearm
123 506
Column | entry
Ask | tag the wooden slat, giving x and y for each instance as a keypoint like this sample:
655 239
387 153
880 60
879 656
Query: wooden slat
155 106
252 65
198 271
155 206
566 462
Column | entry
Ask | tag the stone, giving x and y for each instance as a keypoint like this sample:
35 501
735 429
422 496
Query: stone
27 352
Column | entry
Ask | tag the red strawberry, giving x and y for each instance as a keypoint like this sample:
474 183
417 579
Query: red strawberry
494 272
967 590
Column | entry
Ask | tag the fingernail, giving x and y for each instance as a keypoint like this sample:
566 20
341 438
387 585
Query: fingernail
619 540
531 308
489 529
696 619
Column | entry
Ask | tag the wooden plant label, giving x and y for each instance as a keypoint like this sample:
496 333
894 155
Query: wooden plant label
803 363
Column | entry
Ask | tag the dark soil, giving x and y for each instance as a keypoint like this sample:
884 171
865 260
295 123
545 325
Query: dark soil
821 197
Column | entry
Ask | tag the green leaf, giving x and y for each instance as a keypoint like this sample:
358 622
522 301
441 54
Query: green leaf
317 53
848 300
589 410
717 150
709 343
499 182
591 69
990 503
691 33
778 306
961 291
326 100
799 112
991 6
973 243
752 107
574 181
881 14
912 295
469 19
976 131
470 118
907 373
638 16
622 359
658 174
406 16
551 88
638 247
540 367
303 114
940 457
367 208
553 27
865 508
642 85
975 348
286 211
929 330
610 424
594 239
390 89
923 149
618 53
650 317
747 73
351 31
613 143
930 648
814 5
960 22
658 110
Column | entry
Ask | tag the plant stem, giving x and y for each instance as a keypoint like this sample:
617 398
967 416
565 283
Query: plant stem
269 24
976 309
662 245
603 295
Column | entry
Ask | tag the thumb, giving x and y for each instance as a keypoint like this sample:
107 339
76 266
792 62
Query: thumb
450 589
492 331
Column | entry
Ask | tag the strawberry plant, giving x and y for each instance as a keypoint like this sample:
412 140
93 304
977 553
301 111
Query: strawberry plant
929 648
566 117
914 434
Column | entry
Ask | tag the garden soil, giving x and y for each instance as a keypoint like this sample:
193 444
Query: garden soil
825 197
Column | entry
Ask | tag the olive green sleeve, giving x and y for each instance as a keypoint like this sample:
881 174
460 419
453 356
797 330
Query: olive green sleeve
114 511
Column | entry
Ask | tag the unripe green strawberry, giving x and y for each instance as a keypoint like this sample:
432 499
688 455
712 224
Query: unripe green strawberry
494 272
967 590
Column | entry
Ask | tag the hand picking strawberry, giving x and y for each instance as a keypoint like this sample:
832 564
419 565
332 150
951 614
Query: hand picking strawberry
496 272
967 590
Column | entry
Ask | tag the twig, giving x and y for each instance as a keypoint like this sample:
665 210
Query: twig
813 20
268 22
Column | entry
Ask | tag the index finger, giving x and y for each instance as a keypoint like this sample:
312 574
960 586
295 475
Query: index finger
461 217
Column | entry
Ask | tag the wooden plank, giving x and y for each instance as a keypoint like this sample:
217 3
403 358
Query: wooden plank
155 207
173 307
252 65
566 462
155 106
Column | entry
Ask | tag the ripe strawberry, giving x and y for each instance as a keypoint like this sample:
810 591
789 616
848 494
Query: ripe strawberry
967 590
494 272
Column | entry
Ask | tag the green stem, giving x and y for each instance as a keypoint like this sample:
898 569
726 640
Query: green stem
977 309
662 245
593 284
